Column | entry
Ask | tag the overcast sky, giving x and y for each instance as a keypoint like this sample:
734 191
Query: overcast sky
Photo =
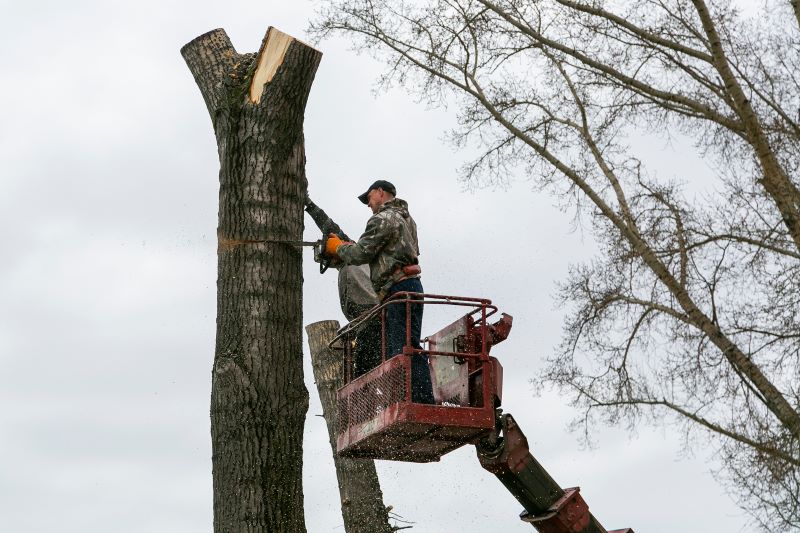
108 212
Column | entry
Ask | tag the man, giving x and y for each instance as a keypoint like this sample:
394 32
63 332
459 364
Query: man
389 245
356 296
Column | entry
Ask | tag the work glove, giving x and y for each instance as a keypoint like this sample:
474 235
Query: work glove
332 244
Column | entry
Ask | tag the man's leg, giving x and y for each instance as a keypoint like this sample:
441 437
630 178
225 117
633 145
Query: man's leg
421 386
367 352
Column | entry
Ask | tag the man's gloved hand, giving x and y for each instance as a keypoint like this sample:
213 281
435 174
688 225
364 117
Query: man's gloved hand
332 244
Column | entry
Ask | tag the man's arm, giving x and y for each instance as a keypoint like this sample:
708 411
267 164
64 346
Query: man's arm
378 233
323 221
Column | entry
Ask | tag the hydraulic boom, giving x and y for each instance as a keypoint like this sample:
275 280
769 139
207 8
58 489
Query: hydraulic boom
548 507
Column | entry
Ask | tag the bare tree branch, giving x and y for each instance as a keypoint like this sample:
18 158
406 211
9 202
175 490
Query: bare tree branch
694 298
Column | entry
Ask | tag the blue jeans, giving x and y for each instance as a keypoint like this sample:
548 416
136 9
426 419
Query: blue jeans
421 386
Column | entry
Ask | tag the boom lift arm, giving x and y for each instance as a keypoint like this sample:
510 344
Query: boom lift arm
548 507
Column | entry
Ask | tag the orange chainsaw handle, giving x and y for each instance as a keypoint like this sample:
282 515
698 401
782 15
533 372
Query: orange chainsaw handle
324 260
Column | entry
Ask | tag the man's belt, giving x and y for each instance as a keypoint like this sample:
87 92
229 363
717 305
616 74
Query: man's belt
400 273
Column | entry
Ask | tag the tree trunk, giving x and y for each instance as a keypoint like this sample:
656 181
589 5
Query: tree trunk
363 509
258 399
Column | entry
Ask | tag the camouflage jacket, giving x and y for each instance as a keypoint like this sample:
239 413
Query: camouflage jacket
388 242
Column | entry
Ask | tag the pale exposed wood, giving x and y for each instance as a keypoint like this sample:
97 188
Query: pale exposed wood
270 57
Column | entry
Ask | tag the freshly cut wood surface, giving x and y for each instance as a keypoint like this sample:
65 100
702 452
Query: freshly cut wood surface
270 57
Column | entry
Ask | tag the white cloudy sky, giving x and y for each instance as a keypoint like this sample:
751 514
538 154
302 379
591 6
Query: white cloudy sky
107 283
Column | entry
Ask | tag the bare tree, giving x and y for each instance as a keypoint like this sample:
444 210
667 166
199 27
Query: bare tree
258 398
692 309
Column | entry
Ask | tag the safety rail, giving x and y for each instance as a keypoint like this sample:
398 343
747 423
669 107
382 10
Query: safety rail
377 415
481 306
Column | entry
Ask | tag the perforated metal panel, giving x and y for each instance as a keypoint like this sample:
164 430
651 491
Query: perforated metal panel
375 393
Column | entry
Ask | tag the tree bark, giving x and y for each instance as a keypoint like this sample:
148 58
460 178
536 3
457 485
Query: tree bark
363 509
258 399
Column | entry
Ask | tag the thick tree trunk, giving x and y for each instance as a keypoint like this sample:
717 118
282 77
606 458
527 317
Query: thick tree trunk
363 509
258 399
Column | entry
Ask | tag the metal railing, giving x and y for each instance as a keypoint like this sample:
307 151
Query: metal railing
481 310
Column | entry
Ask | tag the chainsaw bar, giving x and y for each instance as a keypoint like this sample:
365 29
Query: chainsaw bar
293 243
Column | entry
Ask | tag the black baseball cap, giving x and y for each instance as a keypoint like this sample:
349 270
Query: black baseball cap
380 184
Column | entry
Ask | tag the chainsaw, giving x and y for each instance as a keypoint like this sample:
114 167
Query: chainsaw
318 246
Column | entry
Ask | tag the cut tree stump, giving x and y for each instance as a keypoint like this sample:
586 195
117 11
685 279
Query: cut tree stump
363 509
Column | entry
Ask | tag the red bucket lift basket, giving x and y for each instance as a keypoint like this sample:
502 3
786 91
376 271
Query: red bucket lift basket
376 418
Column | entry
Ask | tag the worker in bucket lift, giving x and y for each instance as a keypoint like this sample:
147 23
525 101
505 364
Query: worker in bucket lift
356 296
389 245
